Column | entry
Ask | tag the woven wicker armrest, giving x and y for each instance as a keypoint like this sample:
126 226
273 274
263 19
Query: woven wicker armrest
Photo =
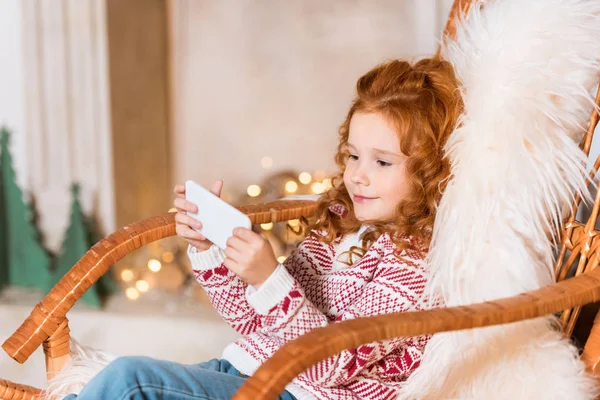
50 313
11 390
297 356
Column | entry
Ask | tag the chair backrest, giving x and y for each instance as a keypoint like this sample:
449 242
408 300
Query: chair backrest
579 239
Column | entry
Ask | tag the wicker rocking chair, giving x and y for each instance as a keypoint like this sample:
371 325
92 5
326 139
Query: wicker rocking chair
47 324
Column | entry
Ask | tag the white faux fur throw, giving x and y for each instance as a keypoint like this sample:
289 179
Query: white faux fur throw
527 68
85 363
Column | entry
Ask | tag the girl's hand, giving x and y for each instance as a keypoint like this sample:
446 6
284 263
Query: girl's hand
250 256
185 224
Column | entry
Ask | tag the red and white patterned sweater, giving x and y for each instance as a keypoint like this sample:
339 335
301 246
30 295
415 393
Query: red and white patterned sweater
313 289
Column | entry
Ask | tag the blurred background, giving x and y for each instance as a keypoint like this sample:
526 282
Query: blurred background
107 104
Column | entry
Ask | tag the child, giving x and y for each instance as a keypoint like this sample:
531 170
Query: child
364 255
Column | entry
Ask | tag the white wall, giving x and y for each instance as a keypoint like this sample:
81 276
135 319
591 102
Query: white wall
254 78
12 106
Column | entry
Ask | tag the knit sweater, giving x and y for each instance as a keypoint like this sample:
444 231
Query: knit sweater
312 289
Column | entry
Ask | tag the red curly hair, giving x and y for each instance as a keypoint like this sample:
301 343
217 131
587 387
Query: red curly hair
422 102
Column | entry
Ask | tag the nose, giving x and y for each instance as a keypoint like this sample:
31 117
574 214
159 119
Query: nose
360 177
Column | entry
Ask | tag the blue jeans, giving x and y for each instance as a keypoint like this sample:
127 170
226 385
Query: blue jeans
129 378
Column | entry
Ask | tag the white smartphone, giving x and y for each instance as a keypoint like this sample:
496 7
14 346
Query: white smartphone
218 218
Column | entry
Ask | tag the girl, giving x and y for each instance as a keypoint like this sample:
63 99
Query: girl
363 255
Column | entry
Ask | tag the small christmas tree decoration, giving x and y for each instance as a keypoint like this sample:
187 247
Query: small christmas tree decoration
76 243
3 222
23 261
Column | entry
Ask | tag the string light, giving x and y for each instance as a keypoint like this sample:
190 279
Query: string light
305 178
142 286
173 209
267 226
317 187
266 162
127 275
294 222
281 259
327 183
132 293
291 186
154 265
168 257
253 190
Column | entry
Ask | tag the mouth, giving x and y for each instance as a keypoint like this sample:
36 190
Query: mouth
362 199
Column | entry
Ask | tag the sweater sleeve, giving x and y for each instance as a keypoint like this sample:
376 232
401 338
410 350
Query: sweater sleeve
225 290
288 314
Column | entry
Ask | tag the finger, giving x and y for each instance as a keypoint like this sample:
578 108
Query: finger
185 219
179 189
185 205
233 254
262 235
199 244
217 187
230 264
246 235
236 243
188 233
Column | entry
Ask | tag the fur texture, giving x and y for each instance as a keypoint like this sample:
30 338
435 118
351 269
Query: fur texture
85 363
527 70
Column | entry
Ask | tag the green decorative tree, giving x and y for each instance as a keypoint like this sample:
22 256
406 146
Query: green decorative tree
78 240
3 220
24 262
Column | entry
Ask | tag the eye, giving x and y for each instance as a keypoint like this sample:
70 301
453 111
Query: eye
353 157
383 163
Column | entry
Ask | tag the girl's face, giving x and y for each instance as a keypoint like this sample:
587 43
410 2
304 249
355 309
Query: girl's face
375 173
